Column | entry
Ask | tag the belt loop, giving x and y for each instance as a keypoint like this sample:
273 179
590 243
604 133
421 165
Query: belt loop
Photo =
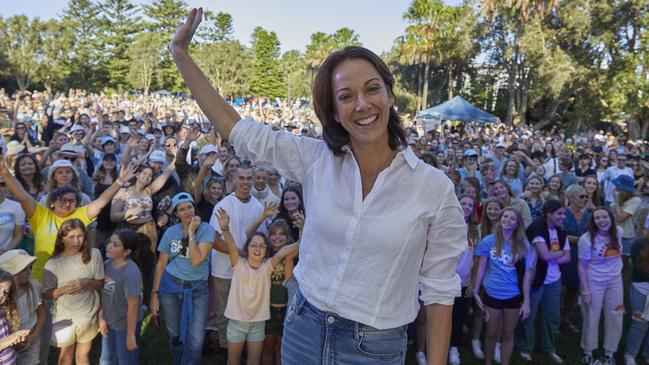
356 331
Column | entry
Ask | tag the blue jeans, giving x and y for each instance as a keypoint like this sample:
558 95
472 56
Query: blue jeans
312 336
636 337
548 297
189 352
114 351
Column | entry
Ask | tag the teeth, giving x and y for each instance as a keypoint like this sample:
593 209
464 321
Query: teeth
367 121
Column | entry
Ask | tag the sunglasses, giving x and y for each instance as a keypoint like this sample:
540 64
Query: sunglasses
68 158
583 196
170 145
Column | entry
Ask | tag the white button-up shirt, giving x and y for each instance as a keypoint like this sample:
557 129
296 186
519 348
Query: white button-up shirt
364 258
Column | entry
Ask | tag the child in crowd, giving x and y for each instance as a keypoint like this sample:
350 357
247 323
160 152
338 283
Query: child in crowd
28 303
121 311
248 305
10 334
73 278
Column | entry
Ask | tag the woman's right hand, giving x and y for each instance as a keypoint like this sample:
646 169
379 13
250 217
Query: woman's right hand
103 327
585 298
155 305
185 32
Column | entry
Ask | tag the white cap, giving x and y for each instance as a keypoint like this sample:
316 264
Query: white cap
208 148
77 128
158 156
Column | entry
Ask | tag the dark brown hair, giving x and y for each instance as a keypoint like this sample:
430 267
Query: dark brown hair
65 228
10 306
614 240
333 132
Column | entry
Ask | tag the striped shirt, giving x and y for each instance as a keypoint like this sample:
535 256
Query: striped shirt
8 355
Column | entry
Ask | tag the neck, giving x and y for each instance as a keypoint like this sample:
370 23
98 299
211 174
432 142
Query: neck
244 197
374 158
69 252
603 233
120 261
507 234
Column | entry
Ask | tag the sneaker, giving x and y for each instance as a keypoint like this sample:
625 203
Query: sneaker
605 361
421 358
453 356
477 351
586 359
629 360
556 358
497 353
525 356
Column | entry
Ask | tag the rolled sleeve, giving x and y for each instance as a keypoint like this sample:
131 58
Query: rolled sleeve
446 240
291 155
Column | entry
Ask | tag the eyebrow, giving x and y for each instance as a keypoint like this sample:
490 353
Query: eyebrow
366 82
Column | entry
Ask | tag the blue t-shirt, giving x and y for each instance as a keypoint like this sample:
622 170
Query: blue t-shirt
500 280
180 264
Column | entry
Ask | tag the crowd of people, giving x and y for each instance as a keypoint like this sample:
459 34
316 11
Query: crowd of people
116 208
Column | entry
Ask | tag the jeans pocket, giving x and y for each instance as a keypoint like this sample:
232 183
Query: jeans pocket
295 308
382 344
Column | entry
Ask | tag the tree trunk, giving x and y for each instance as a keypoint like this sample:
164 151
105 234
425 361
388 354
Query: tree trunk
420 82
424 94
513 73
449 78
524 95
549 116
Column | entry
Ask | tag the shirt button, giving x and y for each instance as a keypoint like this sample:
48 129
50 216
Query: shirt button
331 320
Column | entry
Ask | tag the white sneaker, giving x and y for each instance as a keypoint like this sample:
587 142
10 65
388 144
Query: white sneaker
525 356
629 360
497 353
453 356
421 358
477 351
556 358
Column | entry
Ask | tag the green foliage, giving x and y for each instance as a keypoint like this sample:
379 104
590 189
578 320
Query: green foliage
121 23
298 81
228 65
267 75
323 44
146 56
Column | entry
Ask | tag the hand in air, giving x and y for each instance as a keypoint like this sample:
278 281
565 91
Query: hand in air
185 32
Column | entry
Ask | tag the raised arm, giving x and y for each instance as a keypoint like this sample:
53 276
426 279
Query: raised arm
270 209
288 250
218 111
98 204
26 201
202 172
160 181
224 222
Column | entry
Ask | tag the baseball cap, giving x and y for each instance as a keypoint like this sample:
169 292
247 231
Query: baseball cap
208 148
179 198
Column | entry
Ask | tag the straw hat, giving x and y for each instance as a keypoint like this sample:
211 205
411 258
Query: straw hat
15 261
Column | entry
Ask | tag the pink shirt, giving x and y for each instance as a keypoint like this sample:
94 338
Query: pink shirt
249 298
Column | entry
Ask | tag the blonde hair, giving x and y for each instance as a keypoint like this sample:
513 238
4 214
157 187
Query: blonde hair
9 307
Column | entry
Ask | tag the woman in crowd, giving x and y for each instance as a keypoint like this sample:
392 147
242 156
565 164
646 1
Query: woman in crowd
600 275
550 241
27 171
354 100
208 194
10 333
575 224
510 175
12 221
73 278
595 196
180 281
554 189
502 191
104 177
471 186
636 337
230 167
602 164
62 173
464 270
533 196
290 207
625 207
504 270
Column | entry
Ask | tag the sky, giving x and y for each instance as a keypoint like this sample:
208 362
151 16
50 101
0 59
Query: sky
378 22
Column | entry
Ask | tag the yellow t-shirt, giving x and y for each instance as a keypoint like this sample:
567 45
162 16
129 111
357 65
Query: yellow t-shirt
45 225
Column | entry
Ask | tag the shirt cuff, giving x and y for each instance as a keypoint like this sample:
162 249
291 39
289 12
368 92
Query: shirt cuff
440 291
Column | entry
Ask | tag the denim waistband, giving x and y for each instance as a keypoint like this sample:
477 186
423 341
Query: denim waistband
186 283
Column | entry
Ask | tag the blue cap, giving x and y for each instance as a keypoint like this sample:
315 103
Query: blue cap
179 198
107 139
624 183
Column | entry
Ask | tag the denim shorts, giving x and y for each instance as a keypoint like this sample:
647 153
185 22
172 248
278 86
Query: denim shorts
626 246
245 331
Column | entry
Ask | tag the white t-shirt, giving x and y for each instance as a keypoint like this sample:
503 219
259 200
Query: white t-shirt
242 215
554 272
630 207
11 215
604 261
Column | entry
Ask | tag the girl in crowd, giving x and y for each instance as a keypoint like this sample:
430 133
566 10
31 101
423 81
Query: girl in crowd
208 194
555 189
27 171
464 270
510 175
501 190
28 303
602 164
279 235
600 275
10 335
471 186
440 158
73 278
533 196
504 269
180 281
551 243
104 177
625 207
291 206
121 312
636 336
575 224
12 221
275 181
595 197
62 173
230 168
249 301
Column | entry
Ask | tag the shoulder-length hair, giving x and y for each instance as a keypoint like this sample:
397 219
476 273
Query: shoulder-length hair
37 179
244 252
518 238
10 306
472 219
324 105
486 227
614 240
283 212
67 227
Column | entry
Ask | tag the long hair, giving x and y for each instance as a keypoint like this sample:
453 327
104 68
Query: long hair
37 179
518 238
471 220
139 244
476 184
280 224
597 197
624 196
614 240
283 213
101 171
10 307
324 104
67 227
486 227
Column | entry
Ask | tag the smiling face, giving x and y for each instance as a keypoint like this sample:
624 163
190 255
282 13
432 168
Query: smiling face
278 238
509 220
243 181
256 250
493 210
534 186
602 220
26 166
591 185
65 204
467 205
291 201
362 102
556 218
215 190
554 183
260 179
500 191
144 177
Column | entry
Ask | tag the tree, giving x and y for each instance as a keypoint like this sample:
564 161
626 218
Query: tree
121 23
221 29
55 47
228 65
267 76
21 41
145 57
323 44
297 81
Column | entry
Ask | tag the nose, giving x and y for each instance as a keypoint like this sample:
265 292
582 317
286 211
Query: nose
361 103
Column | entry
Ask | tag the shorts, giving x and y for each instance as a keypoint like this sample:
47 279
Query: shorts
65 333
275 325
626 246
245 331
511 303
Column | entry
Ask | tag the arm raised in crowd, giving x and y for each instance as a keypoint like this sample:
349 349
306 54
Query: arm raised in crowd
198 251
224 222
98 204
160 181
202 172
218 111
26 201
270 209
